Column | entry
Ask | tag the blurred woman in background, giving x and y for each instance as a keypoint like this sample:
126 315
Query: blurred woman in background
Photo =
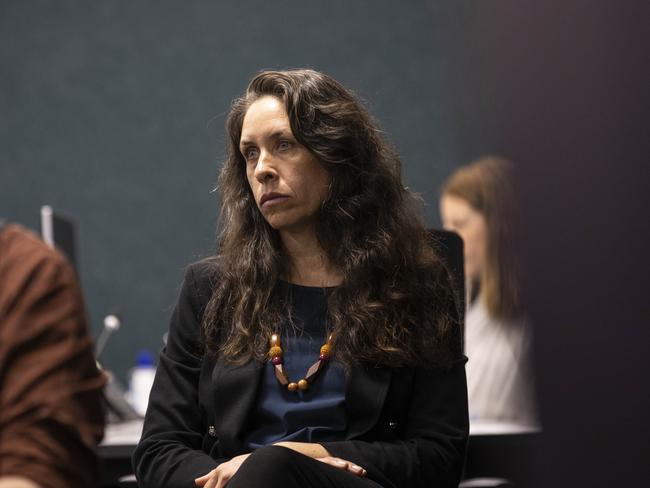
478 203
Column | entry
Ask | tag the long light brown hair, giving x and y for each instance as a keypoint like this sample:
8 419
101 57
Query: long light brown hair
487 185
395 305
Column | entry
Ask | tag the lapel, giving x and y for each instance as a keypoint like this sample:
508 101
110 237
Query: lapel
235 391
365 395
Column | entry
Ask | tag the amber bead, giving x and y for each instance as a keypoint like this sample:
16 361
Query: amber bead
325 350
292 386
303 384
275 340
275 351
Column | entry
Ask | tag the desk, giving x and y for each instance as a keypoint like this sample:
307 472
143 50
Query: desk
116 449
495 449
483 428
501 449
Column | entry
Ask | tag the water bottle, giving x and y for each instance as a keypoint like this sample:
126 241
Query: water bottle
141 381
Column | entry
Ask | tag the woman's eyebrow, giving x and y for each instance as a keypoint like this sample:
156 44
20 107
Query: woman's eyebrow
245 142
276 134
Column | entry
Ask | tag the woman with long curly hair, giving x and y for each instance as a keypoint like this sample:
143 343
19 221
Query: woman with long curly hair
320 345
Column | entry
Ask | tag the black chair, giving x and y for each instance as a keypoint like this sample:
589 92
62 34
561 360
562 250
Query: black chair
449 246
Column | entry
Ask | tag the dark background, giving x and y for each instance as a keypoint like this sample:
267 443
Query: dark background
113 113
571 82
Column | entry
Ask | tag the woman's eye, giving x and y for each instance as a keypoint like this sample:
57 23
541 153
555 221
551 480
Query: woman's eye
250 153
282 145
460 224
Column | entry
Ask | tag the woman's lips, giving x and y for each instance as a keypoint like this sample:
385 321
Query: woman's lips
270 200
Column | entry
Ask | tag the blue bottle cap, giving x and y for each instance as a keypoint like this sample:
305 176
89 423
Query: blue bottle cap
144 359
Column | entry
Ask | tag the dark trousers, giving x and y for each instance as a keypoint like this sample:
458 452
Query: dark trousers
279 467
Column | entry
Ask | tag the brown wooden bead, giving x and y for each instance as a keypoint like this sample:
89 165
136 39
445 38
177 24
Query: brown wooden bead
275 357
280 375
313 370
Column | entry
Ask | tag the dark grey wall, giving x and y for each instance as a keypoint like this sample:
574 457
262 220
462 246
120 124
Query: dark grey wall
113 113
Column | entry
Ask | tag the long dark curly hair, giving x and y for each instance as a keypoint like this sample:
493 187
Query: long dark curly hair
395 305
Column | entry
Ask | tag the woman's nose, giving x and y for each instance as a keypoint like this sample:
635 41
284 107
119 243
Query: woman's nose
265 169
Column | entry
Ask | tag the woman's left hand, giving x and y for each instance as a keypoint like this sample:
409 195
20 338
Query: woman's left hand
319 453
343 464
219 476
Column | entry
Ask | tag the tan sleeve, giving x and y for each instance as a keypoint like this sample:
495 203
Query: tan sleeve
51 417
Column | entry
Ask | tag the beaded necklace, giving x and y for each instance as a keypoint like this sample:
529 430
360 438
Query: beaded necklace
275 355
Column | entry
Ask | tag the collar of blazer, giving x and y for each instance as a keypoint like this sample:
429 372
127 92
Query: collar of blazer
236 387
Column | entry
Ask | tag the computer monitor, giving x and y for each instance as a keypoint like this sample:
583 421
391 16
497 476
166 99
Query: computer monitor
59 232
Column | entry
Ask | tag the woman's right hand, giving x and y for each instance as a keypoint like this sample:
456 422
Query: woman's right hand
219 476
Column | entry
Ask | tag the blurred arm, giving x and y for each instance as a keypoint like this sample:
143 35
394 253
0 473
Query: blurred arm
51 417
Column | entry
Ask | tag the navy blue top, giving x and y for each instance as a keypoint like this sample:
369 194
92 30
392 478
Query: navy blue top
318 413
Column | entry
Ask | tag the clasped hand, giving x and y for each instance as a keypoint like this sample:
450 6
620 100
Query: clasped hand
219 476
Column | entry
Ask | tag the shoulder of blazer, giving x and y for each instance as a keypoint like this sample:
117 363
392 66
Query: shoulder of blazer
202 277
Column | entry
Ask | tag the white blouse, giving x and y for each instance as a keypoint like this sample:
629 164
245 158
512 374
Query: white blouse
499 379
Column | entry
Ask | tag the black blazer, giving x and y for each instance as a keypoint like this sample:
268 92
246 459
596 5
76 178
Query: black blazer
407 427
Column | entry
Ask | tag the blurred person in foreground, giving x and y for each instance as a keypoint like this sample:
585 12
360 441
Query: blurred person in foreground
320 346
51 418
478 203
